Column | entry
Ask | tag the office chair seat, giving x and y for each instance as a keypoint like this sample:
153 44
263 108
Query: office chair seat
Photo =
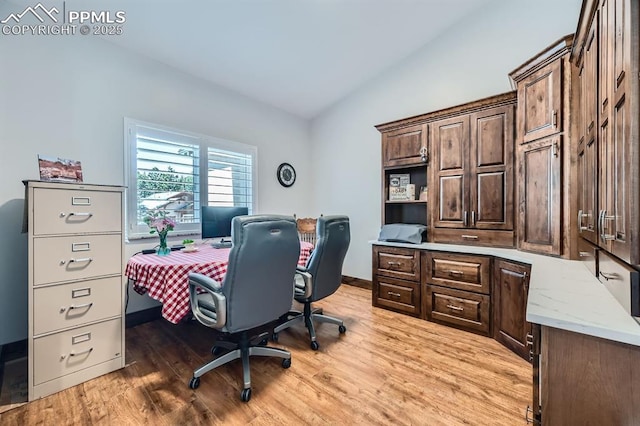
320 278
256 291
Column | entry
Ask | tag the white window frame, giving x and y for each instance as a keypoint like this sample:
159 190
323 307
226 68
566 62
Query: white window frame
136 231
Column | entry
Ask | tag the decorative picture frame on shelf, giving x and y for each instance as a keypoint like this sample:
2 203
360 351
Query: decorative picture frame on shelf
398 187
423 193
56 169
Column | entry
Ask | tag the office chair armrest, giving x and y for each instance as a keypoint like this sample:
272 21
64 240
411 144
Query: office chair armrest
216 319
304 281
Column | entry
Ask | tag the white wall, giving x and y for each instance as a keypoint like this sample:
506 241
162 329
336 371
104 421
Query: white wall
470 61
66 96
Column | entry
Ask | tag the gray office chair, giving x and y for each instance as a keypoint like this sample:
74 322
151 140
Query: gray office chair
321 277
256 291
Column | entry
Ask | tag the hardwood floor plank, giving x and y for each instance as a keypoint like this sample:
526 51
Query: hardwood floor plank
387 369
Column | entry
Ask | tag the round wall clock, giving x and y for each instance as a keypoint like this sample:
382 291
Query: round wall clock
286 174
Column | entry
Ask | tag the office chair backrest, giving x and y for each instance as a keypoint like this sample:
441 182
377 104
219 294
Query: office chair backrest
262 263
325 264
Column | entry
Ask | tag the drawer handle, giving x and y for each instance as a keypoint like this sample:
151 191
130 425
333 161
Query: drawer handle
469 237
455 308
584 254
85 305
390 263
88 351
609 276
456 273
529 339
391 293
84 259
87 215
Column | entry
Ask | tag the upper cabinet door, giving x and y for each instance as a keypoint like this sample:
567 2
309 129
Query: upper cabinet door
539 103
405 146
491 168
450 162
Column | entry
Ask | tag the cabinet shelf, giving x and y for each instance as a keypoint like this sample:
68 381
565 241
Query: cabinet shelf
406 201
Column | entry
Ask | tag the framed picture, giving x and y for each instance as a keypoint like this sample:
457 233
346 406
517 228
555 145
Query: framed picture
55 169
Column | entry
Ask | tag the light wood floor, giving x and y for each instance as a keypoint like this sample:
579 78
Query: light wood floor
387 369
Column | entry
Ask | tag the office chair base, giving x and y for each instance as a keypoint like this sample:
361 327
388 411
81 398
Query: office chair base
243 352
308 317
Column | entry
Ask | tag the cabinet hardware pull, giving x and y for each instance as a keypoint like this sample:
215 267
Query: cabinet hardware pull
84 259
81 353
532 419
391 293
529 339
424 154
584 254
556 148
580 216
554 118
609 276
455 308
465 218
469 237
473 218
531 355
602 217
390 263
458 273
85 305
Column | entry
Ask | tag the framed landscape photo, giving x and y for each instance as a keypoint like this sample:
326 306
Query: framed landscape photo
56 169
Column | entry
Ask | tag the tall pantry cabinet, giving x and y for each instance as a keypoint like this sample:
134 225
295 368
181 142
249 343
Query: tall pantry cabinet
543 153
606 52
76 293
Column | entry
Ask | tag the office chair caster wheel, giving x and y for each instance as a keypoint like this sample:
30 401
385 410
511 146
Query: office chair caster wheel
216 350
342 329
245 395
194 383
263 342
274 337
315 346
286 363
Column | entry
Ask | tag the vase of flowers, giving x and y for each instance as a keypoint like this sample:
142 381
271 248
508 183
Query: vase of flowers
161 224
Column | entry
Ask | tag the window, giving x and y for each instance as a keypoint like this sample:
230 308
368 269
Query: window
173 172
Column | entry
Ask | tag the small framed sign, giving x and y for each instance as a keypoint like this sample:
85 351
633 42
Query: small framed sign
56 169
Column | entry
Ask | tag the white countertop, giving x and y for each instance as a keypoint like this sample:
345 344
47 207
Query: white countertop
562 293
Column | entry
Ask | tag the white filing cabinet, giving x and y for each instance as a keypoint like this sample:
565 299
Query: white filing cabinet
76 286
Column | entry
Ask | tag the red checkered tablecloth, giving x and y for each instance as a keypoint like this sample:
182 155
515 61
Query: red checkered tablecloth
166 278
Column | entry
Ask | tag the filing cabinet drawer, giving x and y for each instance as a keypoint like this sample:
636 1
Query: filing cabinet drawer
397 262
464 272
63 353
461 309
399 295
76 257
588 253
70 305
63 211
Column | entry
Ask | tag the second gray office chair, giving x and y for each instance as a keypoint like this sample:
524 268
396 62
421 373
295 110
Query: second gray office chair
255 292
321 277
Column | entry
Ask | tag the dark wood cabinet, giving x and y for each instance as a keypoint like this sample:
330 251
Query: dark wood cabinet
458 290
396 279
473 175
509 299
546 173
607 55
405 146
539 188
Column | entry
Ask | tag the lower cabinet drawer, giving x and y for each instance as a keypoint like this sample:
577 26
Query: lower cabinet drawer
70 305
64 353
399 295
478 237
461 309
